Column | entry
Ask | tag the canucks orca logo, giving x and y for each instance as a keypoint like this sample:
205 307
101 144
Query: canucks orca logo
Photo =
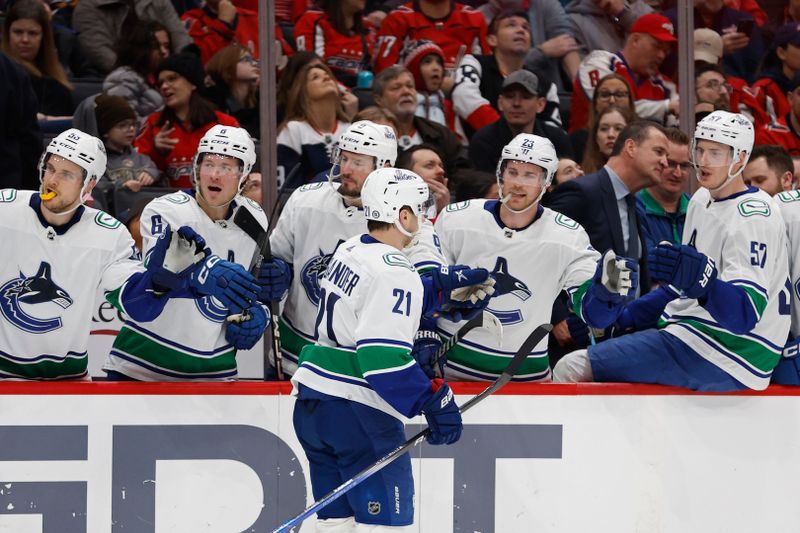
312 271
38 289
505 283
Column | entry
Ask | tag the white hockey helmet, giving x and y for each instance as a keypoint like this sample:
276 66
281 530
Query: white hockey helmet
731 129
230 141
367 138
83 149
387 190
530 148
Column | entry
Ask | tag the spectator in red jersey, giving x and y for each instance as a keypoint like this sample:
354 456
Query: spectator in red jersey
425 60
134 76
603 133
603 24
751 7
785 131
219 23
781 69
313 122
456 28
338 33
170 137
612 89
650 41
235 78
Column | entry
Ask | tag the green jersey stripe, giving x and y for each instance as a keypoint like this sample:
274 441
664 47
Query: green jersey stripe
759 300
172 359
495 364
71 366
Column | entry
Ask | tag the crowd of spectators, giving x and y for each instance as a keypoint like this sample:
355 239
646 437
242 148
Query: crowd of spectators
455 80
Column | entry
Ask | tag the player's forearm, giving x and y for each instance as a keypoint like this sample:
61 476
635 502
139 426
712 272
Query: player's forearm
643 313
730 306
403 385
138 298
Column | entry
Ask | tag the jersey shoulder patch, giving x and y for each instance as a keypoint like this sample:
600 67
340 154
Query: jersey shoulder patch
177 198
753 207
458 206
252 203
104 220
788 197
565 221
397 259
311 186
8 195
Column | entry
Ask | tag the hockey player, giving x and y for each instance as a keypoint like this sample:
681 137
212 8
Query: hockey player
357 384
319 216
533 253
195 340
722 313
59 253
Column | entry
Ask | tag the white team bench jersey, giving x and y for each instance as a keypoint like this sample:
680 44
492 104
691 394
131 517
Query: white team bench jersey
746 237
531 267
188 340
49 285
789 204
313 223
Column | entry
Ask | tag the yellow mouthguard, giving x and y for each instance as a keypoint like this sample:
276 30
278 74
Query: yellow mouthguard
48 196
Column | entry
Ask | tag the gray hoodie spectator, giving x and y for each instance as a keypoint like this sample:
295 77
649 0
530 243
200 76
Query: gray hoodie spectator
603 24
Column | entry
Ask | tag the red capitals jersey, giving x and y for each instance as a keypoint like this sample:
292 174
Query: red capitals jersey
772 98
212 35
652 95
744 99
782 134
463 30
345 55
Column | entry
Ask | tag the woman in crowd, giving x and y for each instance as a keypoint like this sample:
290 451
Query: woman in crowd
170 137
134 76
340 35
611 89
314 119
235 77
28 38
779 68
604 131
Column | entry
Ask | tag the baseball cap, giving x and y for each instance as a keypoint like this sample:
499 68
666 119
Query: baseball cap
707 45
787 34
525 78
655 25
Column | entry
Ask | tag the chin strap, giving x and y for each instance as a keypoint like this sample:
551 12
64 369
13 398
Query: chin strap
413 236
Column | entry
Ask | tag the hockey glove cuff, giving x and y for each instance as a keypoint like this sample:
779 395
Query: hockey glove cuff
443 416
175 253
228 282
275 278
683 267
426 345
243 333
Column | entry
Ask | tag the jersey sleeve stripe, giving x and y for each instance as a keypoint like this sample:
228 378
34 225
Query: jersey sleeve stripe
710 323
758 301
371 373
42 357
158 339
327 373
383 342
751 284
171 373
576 295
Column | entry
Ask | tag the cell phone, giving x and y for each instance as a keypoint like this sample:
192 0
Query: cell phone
745 26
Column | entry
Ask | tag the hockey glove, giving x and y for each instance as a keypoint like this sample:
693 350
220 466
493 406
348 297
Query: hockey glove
441 412
426 345
616 278
170 261
578 330
683 267
275 278
228 282
456 292
244 335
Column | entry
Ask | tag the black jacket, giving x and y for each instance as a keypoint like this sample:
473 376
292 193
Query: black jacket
20 137
488 142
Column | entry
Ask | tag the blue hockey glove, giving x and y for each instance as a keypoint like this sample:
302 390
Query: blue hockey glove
244 334
228 282
615 279
578 330
169 262
456 292
683 267
441 412
426 344
275 278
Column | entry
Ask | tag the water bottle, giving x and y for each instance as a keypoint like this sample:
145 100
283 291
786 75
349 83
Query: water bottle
364 80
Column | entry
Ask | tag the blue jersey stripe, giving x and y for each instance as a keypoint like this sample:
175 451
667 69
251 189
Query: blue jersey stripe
177 345
716 325
43 357
732 356
158 370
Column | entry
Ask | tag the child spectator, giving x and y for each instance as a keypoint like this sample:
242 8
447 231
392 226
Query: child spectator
117 125
425 60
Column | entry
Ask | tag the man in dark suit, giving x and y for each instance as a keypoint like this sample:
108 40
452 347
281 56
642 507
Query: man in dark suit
604 202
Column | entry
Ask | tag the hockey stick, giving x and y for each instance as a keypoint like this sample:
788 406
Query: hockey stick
245 220
485 320
530 343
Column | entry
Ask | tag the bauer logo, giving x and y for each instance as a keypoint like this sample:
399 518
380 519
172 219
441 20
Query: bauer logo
20 293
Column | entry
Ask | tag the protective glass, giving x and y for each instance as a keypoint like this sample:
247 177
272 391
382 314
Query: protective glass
529 175
712 157
224 169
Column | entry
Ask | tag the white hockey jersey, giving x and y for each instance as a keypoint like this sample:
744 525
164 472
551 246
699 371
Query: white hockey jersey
789 204
50 280
746 237
531 266
371 302
313 223
188 340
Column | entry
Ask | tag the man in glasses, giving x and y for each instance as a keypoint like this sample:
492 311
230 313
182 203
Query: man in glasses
662 206
720 319
533 253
